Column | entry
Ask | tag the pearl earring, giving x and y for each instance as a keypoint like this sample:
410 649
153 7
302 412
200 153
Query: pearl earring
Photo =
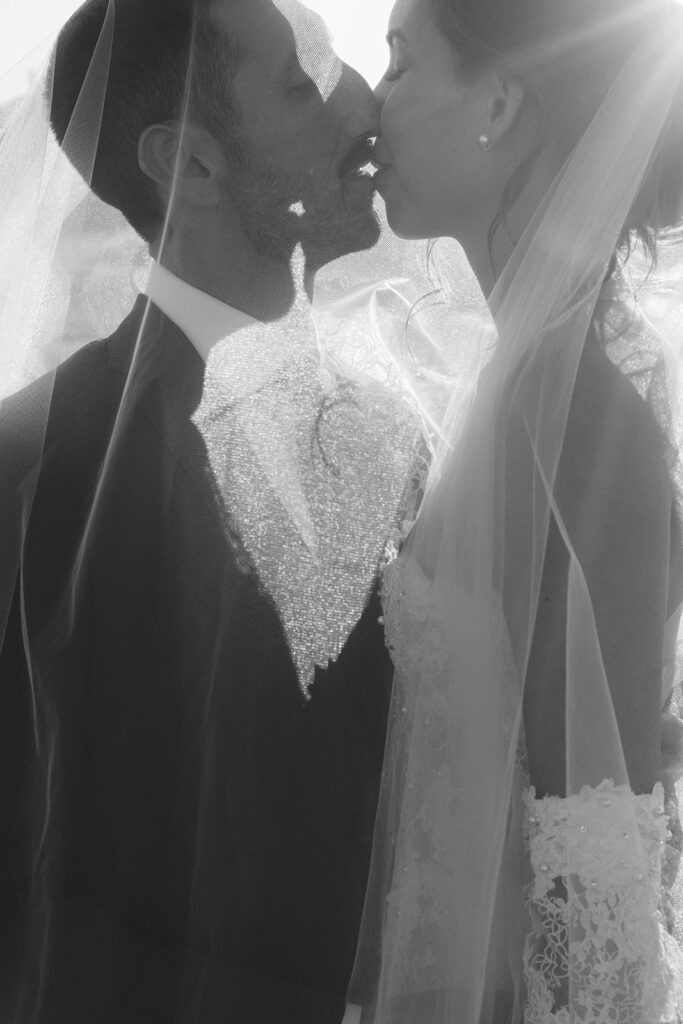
485 142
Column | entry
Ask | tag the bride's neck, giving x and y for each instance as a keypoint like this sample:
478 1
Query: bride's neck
488 255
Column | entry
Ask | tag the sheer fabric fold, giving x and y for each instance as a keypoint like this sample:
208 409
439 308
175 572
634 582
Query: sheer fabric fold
192 671
485 905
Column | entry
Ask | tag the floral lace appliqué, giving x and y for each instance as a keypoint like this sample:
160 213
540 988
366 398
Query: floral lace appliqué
598 943
597 950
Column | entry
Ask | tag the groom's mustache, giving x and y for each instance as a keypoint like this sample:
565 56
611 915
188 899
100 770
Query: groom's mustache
358 156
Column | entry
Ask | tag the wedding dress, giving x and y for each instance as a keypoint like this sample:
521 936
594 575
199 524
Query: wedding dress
487 905
595 918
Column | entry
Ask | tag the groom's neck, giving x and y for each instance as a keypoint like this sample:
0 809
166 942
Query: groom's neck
264 289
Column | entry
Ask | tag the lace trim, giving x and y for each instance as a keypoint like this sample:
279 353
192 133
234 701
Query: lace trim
410 504
597 952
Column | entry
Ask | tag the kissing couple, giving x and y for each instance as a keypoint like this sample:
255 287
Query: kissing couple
324 698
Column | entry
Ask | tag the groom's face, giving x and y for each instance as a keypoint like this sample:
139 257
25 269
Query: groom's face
305 118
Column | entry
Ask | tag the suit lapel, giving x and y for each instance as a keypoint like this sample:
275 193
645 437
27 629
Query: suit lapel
162 378
163 381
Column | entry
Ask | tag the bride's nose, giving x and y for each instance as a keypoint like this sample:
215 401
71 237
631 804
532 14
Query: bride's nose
381 90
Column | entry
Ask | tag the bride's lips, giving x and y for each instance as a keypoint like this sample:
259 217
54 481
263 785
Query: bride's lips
378 162
355 170
381 164
381 174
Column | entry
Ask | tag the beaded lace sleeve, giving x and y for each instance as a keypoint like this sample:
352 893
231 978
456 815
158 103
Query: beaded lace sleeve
598 952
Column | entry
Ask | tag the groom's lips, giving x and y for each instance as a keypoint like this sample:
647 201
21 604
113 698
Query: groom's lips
355 170
357 160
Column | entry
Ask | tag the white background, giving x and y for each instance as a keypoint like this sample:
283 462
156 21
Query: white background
358 27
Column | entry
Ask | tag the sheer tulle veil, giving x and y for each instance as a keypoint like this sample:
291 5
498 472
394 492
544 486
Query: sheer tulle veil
445 920
72 270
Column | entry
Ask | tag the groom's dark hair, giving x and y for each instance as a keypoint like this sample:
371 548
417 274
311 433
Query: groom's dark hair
160 58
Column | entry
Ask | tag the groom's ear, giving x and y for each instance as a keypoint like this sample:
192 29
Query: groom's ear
184 160
505 101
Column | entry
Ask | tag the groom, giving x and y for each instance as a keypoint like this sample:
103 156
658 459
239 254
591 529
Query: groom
185 837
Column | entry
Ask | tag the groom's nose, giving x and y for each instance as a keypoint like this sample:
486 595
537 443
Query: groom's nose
355 103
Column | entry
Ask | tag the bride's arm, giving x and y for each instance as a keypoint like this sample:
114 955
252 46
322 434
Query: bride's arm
595 946
615 498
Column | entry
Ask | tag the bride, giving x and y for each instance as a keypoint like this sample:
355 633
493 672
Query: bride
523 857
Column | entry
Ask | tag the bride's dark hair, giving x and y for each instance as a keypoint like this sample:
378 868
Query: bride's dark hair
565 54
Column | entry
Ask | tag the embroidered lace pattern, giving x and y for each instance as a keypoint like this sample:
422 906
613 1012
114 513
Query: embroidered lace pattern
596 932
406 598
597 936
433 859
419 902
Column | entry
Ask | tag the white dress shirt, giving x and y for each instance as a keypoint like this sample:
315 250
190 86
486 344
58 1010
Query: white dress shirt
201 317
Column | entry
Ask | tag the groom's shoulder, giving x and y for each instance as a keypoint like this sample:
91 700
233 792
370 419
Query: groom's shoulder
67 408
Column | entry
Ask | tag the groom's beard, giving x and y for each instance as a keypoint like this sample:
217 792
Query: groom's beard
279 211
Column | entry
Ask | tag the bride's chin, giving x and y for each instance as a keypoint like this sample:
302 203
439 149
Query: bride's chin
403 222
402 227
408 233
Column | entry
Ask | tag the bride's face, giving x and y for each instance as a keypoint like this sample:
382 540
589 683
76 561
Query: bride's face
435 177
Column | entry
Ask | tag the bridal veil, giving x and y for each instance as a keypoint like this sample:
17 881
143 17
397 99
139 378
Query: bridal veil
294 449
488 902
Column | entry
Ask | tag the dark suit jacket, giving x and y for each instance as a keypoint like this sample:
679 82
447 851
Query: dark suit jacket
184 837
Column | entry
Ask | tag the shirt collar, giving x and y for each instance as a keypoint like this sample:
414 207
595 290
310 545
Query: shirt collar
204 319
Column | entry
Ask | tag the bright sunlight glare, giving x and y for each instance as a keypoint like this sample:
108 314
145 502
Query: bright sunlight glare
358 28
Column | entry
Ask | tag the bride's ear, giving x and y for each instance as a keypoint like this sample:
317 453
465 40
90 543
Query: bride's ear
505 100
